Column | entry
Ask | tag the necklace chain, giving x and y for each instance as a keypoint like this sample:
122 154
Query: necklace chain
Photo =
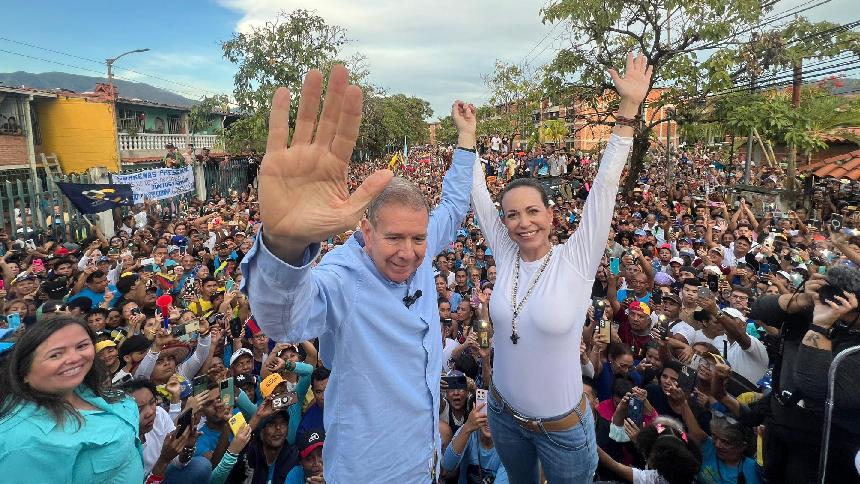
518 307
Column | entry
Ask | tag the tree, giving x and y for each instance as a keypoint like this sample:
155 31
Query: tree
201 113
276 54
697 48
446 133
554 131
388 119
513 95
772 119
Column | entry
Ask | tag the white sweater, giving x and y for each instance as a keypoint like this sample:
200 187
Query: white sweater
540 376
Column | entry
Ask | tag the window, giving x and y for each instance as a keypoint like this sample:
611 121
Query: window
11 115
175 125
130 119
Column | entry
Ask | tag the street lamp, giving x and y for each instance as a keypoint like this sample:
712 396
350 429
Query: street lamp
110 62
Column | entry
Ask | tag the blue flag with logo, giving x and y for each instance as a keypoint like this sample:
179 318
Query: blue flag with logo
95 198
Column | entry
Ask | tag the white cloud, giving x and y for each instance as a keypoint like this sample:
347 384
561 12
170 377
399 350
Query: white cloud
435 50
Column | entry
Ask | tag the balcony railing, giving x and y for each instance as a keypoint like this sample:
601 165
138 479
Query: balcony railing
156 142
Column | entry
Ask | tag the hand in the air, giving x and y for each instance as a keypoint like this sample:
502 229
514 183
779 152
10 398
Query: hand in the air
303 190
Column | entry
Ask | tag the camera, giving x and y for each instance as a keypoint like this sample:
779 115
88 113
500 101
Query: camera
836 223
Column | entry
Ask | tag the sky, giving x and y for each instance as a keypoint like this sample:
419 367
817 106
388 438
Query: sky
434 50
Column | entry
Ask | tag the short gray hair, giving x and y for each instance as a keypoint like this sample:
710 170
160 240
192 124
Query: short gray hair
400 191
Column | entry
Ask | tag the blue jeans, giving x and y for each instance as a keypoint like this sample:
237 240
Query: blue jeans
198 470
567 457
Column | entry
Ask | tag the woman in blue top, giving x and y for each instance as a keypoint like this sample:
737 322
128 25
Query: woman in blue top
59 421
473 452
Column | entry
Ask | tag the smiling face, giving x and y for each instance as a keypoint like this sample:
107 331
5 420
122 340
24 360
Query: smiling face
62 361
397 241
526 217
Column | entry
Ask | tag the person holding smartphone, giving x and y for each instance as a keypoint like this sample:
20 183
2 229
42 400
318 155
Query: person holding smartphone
539 304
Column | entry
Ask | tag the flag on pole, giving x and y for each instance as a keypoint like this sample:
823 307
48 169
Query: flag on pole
95 198
393 163
405 152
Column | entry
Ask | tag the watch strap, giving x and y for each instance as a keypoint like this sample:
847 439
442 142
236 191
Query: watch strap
826 332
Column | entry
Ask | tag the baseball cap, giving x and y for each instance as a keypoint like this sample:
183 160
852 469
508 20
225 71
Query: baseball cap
243 379
103 258
676 260
240 353
717 248
105 344
734 313
310 441
640 306
137 342
268 385
673 297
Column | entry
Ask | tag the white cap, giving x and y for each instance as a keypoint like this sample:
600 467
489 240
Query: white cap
239 353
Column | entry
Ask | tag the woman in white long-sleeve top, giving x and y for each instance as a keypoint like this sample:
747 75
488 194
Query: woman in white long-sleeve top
537 412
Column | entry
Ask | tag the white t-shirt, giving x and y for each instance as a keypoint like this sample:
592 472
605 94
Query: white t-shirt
647 476
495 143
691 334
750 363
162 426
447 363
540 376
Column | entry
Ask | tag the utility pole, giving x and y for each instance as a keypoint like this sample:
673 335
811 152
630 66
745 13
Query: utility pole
749 141
791 163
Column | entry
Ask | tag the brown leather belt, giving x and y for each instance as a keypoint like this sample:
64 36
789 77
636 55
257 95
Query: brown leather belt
537 425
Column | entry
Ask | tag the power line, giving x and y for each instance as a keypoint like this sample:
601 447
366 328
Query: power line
194 88
77 67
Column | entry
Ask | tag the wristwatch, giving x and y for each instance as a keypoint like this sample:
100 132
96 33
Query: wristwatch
826 332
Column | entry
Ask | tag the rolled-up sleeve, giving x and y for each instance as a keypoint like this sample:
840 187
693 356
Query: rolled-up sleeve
293 303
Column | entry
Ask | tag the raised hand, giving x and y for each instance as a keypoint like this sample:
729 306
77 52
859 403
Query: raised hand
463 115
633 87
303 190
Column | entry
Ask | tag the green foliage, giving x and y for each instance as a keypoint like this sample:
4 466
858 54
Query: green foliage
513 96
774 118
554 131
704 47
388 119
446 132
276 54
201 113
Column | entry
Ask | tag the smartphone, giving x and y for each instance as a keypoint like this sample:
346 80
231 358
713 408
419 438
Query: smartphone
13 320
147 262
2 285
187 328
705 291
614 265
599 308
183 421
636 410
235 327
199 385
713 282
763 268
236 422
604 329
285 400
228 397
229 285
664 331
38 265
836 222
455 382
481 397
695 361
687 380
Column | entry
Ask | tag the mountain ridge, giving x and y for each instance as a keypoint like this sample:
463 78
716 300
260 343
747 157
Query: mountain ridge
78 83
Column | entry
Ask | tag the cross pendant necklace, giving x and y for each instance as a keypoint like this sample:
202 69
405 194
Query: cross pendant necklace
518 307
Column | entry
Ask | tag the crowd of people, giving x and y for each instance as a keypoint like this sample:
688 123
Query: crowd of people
708 330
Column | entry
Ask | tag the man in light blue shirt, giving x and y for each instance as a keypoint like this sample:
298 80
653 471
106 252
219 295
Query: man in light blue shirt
379 336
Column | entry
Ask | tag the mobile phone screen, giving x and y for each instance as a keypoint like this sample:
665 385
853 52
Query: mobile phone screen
615 266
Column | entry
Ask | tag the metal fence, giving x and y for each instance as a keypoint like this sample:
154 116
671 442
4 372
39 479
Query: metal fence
227 176
35 208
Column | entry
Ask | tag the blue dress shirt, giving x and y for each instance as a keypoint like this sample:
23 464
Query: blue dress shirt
382 398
